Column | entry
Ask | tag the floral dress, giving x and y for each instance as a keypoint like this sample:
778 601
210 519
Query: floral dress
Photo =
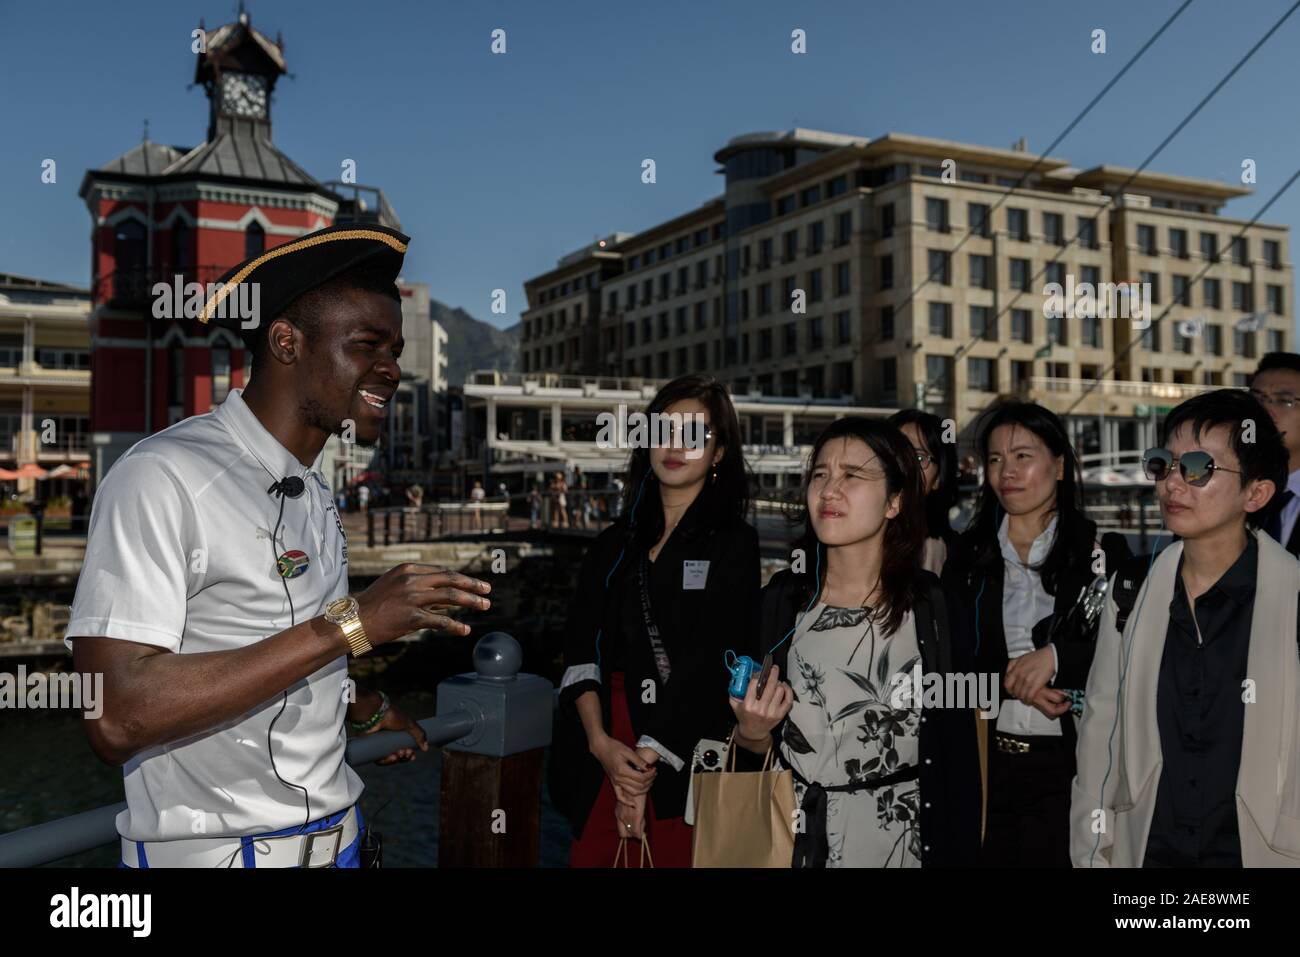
842 728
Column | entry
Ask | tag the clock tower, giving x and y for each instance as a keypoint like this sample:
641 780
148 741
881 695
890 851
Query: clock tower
238 69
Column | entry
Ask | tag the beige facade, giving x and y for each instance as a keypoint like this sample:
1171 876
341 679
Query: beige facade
44 374
904 269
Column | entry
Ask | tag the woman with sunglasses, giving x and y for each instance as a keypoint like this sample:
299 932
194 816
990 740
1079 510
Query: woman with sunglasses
1187 748
883 779
663 594
938 463
1021 567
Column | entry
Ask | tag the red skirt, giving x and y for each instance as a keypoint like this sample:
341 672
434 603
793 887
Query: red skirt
669 839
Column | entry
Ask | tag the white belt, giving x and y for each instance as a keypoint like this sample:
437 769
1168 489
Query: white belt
317 849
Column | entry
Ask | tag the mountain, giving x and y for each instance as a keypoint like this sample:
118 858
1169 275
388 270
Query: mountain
473 344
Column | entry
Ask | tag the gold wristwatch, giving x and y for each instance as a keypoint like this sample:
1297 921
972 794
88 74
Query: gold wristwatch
345 612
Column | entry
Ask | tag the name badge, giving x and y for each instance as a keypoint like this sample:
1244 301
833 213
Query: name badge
694 575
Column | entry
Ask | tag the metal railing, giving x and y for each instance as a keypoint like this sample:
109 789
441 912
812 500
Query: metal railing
495 712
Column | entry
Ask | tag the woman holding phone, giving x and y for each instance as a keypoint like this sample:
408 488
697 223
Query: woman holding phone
664 592
881 780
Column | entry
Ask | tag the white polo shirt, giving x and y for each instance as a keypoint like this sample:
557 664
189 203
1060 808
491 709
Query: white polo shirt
180 555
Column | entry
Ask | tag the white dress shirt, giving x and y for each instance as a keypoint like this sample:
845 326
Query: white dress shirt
1292 508
182 555
1024 604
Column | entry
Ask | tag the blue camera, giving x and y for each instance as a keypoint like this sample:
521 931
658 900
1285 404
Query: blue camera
741 671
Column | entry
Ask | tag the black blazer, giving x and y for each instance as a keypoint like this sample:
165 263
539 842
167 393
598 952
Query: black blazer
981 589
697 626
950 812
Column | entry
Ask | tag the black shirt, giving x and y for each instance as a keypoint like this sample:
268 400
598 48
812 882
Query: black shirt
1200 714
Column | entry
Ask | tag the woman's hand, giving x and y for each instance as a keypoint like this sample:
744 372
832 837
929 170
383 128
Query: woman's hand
630 776
1029 674
755 716
631 818
1051 702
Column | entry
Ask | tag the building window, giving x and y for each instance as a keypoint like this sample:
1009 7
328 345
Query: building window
1054 228
843 228
843 328
815 338
1090 329
765 299
1055 272
977 217
790 382
254 240
837 185
1273 253
1021 373
941 319
981 375
1146 240
1088 232
1276 340
843 285
1090 275
220 372
789 245
888 376
681 320
940 263
936 372
1057 330
815 285
1182 290
1211 294
1214 340
791 337
1178 243
765 344
1152 280
1243 344
1022 325
1276 300
886 322
886 220
982 323
790 285
936 214
981 272
813 194
1240 251
1242 300
816 235
182 245
1020 274
1018 224
886 272
1151 337
1210 247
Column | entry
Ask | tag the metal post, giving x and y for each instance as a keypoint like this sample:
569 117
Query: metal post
370 528
492 778
387 517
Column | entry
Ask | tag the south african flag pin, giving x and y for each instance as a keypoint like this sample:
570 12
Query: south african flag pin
291 564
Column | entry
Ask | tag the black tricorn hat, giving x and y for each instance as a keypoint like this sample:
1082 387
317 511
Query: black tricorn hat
266 284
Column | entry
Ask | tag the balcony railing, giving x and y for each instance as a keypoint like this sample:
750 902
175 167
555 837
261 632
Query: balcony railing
1175 391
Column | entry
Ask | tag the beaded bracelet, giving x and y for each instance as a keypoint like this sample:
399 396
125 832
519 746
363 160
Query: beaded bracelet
361 727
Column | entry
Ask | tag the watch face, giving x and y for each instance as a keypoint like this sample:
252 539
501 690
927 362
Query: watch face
244 94
341 608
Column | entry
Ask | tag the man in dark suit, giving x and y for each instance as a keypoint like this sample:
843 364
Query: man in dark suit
1276 384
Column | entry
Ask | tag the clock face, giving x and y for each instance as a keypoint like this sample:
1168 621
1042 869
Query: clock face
244 94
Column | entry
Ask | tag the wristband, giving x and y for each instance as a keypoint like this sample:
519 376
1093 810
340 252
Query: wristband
361 727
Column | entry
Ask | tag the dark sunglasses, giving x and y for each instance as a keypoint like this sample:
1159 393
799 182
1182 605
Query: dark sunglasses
1196 468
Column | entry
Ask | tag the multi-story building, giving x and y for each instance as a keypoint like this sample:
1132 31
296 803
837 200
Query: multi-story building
44 381
905 270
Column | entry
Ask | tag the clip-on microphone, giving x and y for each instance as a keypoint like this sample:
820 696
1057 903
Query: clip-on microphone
292 486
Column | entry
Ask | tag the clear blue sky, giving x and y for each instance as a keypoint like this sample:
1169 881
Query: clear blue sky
499 165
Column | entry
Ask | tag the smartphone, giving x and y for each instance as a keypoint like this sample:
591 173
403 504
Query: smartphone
762 676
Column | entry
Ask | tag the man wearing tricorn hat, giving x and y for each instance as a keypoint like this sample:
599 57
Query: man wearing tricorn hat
214 595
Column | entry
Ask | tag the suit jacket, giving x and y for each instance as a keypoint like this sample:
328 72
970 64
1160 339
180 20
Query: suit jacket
1113 796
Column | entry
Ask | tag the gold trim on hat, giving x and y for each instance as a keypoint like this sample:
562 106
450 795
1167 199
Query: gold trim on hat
293 247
